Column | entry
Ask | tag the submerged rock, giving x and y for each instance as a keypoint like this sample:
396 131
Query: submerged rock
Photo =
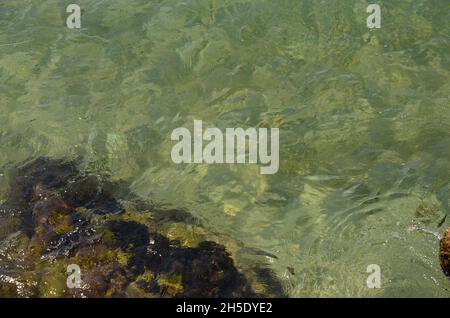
123 247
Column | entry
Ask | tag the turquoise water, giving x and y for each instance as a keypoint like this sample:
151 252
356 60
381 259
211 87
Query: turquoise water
363 115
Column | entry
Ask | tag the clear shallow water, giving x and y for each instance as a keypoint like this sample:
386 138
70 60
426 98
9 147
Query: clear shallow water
363 117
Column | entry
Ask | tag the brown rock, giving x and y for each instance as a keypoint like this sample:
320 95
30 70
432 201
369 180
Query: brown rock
444 253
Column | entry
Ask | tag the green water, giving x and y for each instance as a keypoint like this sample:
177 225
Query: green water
363 115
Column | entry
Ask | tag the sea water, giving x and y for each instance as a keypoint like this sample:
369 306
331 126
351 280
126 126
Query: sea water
363 115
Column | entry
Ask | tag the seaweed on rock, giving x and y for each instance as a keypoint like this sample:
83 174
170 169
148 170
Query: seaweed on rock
64 217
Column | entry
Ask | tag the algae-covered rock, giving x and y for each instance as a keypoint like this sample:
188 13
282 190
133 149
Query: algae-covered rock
123 247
